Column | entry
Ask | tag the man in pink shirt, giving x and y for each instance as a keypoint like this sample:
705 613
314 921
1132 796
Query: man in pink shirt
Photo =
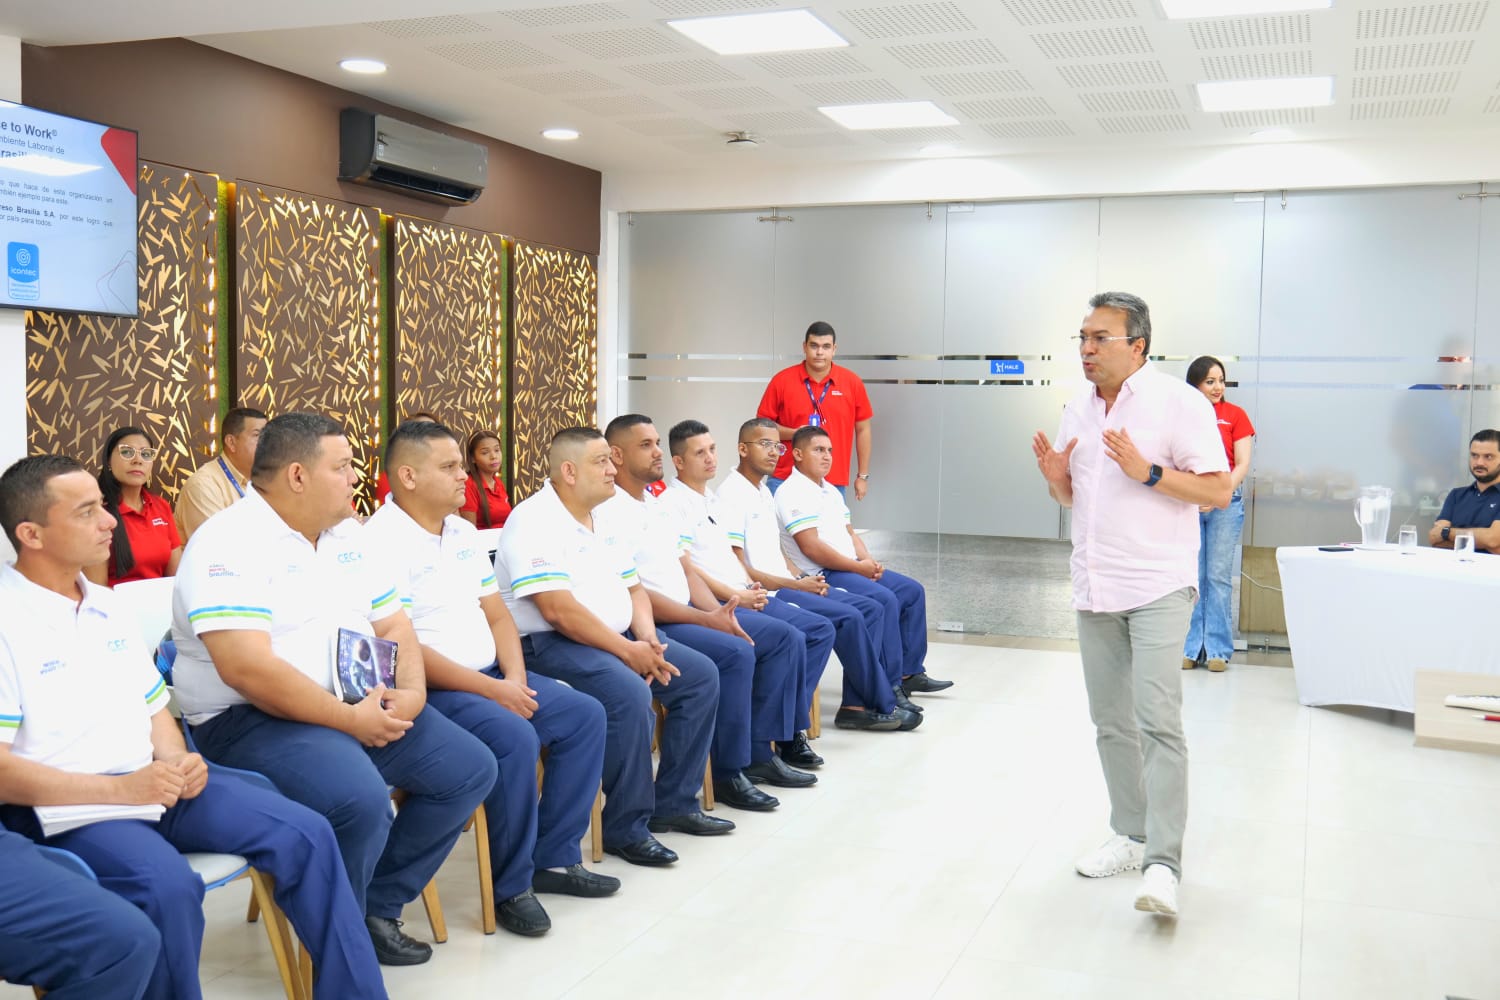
1138 453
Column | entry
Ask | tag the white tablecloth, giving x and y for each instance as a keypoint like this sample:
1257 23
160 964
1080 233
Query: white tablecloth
1362 624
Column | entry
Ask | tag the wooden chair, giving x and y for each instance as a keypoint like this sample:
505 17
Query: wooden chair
708 765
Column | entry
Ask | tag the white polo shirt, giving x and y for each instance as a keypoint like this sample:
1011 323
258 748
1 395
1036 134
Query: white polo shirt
748 514
802 504
77 688
440 579
700 525
248 569
650 532
542 548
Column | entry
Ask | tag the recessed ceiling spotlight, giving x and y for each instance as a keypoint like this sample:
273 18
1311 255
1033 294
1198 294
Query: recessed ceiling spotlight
741 140
1266 95
368 67
1181 9
776 31
560 134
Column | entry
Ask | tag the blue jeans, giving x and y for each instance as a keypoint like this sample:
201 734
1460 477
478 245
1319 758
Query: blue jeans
1211 631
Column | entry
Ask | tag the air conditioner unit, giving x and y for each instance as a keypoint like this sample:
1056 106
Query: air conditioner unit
416 161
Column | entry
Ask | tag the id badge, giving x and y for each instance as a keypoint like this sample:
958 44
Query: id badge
816 420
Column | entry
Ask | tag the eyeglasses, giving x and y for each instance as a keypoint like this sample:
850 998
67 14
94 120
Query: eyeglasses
1097 339
126 452
774 447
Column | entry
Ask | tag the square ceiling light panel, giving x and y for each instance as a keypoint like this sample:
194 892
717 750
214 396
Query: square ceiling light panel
776 31
1183 9
1266 95
897 114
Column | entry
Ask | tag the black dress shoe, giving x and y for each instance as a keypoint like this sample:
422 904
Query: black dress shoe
649 852
880 722
522 914
392 947
902 701
776 772
695 823
909 720
575 880
740 792
921 683
799 753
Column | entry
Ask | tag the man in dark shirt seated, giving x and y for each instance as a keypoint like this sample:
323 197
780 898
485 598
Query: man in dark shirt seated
1473 509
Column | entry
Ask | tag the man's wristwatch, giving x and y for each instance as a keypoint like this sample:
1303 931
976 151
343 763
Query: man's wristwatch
1447 534
863 475
1155 476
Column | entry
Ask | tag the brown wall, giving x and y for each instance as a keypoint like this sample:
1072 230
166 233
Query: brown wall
204 109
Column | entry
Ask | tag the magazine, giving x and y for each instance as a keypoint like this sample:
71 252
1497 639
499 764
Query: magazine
361 663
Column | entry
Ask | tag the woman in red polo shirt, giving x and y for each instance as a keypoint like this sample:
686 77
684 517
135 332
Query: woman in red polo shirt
146 544
484 457
1210 632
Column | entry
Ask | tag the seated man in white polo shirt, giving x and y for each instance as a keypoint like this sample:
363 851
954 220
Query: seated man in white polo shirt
263 590
584 618
92 761
817 534
476 676
747 511
700 519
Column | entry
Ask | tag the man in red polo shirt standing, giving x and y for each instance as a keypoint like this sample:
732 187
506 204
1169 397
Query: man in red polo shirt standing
821 394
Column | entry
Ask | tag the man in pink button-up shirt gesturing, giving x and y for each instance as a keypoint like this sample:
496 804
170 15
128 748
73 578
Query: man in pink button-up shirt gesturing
1137 454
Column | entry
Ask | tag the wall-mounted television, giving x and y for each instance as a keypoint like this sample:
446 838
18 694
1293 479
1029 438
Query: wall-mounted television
67 213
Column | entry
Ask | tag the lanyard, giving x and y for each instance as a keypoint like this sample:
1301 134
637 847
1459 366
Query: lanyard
817 403
230 476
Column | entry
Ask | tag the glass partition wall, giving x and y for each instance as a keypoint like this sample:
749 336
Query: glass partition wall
1358 328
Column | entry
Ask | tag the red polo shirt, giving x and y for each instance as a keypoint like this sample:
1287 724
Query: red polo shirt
153 535
841 401
495 495
1234 425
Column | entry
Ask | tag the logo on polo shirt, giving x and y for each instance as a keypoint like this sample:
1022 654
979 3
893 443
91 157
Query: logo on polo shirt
538 562
117 645
157 522
219 569
52 665
348 558
465 553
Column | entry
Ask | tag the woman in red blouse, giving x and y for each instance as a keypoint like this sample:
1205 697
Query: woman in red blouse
1210 633
484 457
146 544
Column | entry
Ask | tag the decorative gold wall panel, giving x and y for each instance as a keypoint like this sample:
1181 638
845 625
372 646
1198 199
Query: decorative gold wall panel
448 330
87 375
554 376
309 313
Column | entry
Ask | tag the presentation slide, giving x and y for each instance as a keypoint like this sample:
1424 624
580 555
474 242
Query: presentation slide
67 213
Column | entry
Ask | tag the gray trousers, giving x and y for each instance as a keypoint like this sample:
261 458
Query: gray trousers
1132 668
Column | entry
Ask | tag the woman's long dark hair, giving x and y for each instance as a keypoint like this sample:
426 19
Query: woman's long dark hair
121 559
482 515
1198 371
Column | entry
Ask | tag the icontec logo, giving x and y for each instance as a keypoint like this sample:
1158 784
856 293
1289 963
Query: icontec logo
23 271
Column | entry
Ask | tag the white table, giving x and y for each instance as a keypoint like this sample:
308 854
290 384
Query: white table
1362 623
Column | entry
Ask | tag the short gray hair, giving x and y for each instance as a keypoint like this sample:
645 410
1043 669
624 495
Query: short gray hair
1137 313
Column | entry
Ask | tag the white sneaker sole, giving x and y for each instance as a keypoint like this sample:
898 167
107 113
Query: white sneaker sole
1129 866
1148 903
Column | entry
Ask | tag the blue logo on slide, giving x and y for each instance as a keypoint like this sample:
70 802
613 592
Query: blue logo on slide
23 271
1007 367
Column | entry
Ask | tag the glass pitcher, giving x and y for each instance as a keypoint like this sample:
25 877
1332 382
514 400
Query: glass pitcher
1372 512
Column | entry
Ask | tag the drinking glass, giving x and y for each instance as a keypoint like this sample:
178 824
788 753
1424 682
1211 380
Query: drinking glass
1463 547
1407 539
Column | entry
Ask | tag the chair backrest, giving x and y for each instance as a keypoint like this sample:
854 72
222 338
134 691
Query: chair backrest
68 860
150 601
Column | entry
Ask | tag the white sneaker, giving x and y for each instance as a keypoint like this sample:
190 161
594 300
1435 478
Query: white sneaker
1158 892
1117 854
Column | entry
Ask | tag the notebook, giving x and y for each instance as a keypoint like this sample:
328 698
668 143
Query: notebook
1480 702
